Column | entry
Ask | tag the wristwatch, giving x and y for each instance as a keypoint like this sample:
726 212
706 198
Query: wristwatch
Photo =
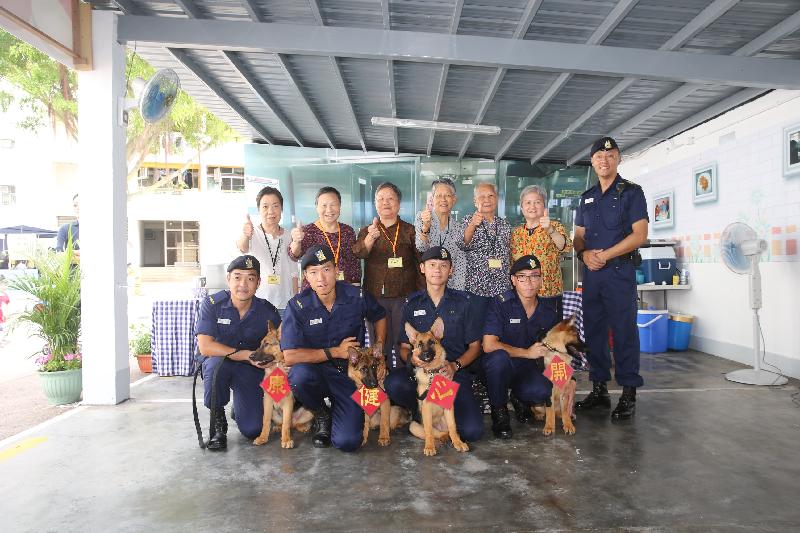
579 255
328 353
458 365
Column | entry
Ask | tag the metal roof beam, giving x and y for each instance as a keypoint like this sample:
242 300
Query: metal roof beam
262 95
337 70
190 8
387 24
437 106
195 69
461 50
611 21
519 33
392 102
252 10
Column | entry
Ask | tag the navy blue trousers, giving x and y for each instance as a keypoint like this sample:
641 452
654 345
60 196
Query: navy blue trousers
522 376
609 301
313 382
402 390
248 399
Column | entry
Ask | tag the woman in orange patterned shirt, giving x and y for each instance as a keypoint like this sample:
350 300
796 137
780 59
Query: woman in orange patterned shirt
546 239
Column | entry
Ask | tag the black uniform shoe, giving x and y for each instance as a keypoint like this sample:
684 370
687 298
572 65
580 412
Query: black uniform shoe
218 441
322 428
626 407
501 422
521 410
597 398
416 414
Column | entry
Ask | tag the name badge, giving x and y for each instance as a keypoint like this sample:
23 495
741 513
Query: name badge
223 321
340 276
314 321
495 263
514 321
419 312
588 201
395 262
273 279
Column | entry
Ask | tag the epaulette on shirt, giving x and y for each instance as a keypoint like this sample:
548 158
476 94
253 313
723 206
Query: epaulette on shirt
296 300
218 297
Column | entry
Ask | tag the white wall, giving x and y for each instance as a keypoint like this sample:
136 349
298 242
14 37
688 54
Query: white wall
747 144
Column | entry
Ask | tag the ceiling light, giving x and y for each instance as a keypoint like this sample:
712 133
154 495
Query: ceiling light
431 125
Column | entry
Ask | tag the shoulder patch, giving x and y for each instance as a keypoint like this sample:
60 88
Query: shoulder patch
299 305
211 300
501 297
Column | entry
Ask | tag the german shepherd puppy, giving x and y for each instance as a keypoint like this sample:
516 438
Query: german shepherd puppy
367 367
269 354
561 340
437 423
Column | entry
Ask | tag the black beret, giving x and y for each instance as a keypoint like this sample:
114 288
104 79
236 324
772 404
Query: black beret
436 252
245 262
316 255
603 144
526 262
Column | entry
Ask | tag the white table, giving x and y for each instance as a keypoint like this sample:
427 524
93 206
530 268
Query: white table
662 288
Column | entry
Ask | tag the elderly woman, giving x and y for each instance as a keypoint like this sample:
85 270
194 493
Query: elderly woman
329 231
544 238
438 228
391 269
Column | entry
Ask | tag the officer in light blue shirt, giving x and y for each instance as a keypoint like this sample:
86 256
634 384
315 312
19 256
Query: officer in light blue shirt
320 325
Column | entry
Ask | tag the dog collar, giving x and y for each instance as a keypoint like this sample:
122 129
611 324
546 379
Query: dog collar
555 350
430 373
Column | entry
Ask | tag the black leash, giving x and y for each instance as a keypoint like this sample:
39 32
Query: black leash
212 427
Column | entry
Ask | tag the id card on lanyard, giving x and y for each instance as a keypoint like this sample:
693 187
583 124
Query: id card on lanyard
274 278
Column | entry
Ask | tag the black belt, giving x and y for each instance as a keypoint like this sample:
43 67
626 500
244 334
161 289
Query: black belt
633 256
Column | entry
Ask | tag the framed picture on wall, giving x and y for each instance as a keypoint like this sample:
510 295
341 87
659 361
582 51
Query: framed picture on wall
791 151
704 183
664 209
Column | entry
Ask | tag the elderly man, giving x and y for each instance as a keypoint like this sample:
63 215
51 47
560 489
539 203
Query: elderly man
231 326
611 223
436 227
320 325
515 322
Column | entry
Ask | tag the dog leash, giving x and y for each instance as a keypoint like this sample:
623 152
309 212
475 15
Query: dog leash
212 426
430 373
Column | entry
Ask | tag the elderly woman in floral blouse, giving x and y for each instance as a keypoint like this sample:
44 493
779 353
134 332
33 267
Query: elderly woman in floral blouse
546 239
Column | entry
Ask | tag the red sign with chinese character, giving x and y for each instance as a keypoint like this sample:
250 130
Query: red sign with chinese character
369 399
276 384
442 392
558 371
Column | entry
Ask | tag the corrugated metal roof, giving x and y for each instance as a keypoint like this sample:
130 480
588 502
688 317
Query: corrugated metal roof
311 106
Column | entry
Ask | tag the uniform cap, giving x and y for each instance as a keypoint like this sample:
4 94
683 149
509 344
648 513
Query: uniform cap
526 262
603 144
245 262
316 255
436 252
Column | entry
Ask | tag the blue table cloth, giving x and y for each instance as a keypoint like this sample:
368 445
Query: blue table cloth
173 337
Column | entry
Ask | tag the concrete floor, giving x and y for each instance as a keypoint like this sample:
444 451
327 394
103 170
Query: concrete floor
703 454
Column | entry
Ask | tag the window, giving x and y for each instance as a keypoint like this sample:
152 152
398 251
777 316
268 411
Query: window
226 178
182 242
190 178
8 195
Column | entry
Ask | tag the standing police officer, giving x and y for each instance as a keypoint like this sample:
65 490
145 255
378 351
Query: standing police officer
461 342
515 321
231 326
320 324
611 223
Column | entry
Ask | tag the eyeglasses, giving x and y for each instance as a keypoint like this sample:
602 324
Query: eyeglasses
527 279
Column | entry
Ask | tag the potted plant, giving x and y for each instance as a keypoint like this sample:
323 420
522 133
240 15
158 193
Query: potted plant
141 348
56 319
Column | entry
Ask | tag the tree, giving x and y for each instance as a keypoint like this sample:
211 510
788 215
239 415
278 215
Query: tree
51 91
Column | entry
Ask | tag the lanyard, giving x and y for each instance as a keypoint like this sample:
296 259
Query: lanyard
277 249
443 236
338 238
396 234
492 242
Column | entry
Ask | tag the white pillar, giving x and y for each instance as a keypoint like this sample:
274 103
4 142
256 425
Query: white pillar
104 302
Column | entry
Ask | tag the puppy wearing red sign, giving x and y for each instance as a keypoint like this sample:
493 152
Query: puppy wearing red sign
278 398
561 341
435 392
367 369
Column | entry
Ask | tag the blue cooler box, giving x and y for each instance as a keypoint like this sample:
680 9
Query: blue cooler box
658 264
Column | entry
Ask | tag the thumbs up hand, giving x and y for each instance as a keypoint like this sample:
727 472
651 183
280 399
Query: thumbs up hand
544 222
247 229
297 231
372 230
425 217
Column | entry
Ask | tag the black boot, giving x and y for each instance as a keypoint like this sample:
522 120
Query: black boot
521 410
626 407
218 441
501 422
597 398
322 427
416 414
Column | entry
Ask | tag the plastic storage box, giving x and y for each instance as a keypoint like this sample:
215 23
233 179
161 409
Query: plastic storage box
658 264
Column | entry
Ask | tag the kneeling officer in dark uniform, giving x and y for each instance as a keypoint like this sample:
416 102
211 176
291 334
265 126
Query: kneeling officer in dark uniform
461 341
231 326
610 224
320 325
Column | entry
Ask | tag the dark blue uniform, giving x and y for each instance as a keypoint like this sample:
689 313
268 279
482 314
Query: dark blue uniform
308 324
507 320
609 294
220 320
459 331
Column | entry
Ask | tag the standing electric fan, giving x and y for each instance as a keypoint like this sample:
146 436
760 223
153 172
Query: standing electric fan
741 249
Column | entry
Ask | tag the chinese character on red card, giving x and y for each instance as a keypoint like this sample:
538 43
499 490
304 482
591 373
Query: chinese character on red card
442 392
559 372
369 399
276 384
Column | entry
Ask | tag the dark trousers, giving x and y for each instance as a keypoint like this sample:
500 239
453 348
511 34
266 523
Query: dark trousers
394 323
523 376
609 301
402 390
248 398
313 382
